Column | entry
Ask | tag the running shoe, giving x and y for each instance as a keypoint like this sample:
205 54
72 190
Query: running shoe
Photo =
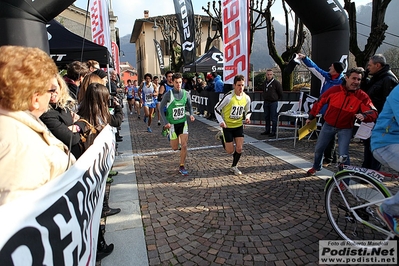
183 170
165 132
341 186
235 170
159 123
149 130
391 221
113 173
110 180
219 135
311 172
131 113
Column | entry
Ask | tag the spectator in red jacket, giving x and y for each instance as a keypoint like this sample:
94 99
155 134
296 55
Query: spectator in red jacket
346 103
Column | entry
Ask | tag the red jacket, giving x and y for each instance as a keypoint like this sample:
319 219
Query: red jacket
343 105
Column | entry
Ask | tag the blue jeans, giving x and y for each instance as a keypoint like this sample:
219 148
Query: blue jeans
270 111
327 133
388 155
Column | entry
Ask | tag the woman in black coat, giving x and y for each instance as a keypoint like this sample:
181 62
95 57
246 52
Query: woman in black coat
60 118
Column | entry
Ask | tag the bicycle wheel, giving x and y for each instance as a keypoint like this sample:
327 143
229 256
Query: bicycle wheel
358 189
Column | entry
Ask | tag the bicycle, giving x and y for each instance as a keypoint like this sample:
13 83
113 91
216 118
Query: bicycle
352 196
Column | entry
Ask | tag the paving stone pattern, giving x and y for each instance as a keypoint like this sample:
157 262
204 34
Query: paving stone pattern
271 215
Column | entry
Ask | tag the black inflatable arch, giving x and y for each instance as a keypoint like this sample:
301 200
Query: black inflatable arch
328 23
23 22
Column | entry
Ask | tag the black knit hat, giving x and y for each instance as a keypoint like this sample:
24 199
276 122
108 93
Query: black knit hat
101 73
339 66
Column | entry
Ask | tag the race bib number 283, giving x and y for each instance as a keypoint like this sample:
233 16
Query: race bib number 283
178 113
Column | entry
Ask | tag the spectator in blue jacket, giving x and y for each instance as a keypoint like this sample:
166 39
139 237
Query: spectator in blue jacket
334 76
385 147
219 84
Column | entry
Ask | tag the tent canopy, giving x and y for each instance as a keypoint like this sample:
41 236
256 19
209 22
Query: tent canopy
66 47
211 61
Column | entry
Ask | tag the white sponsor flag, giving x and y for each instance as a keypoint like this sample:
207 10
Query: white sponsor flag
58 223
100 30
235 17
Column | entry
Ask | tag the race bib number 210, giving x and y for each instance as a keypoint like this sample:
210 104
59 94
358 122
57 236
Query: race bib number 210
236 112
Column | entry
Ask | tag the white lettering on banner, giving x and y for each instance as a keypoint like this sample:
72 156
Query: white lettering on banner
186 45
59 56
58 223
199 99
235 32
335 8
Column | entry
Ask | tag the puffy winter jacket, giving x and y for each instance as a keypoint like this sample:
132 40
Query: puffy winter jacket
379 86
343 105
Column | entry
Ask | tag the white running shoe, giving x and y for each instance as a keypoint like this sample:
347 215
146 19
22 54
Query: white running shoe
219 135
235 170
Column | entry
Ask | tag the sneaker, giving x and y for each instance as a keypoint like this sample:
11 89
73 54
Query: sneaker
341 186
265 133
105 251
131 113
219 135
326 163
391 221
110 180
165 132
235 170
183 170
311 172
138 117
113 173
149 130
272 135
145 119
159 123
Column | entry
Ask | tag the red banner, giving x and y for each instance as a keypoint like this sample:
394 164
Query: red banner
235 16
115 56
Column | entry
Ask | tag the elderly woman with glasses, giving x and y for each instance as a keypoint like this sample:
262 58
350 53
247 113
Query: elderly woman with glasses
30 155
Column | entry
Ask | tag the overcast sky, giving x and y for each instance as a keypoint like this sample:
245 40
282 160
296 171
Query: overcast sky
128 11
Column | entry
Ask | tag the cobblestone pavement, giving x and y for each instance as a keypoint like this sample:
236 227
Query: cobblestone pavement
271 215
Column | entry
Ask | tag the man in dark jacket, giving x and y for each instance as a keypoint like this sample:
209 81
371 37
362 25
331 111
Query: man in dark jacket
346 103
76 71
272 92
377 88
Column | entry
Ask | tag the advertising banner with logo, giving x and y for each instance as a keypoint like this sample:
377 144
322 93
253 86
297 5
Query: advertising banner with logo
185 20
58 223
100 29
115 55
159 52
235 17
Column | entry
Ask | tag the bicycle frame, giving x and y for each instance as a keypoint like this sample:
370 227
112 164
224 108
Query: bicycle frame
358 171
